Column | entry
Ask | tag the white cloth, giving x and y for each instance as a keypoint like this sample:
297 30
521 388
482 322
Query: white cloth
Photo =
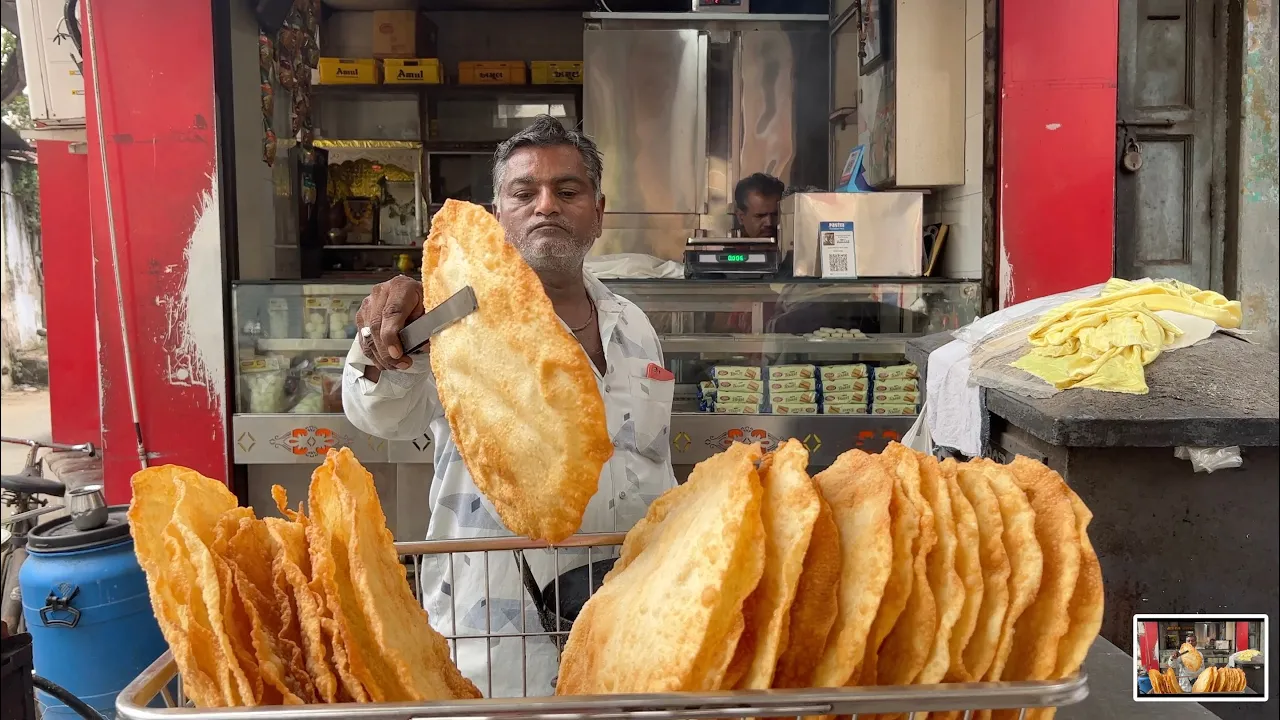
405 406
633 266
953 407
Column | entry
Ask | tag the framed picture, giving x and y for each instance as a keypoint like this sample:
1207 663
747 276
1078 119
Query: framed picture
874 33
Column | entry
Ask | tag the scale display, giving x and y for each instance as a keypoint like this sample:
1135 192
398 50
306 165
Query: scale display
732 258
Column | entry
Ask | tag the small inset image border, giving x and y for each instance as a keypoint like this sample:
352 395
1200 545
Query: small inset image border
1205 628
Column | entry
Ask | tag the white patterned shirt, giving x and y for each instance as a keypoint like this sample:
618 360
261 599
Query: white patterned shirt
404 405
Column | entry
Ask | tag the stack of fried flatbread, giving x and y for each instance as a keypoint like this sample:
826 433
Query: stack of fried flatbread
889 569
286 611
516 387
1220 680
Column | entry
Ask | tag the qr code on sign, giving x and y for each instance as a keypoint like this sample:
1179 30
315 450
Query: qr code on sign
838 263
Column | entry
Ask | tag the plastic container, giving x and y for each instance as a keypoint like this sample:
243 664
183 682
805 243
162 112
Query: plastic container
263 380
342 318
277 317
86 604
315 317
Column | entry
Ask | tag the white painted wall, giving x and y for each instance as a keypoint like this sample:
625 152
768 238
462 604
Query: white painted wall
961 207
21 286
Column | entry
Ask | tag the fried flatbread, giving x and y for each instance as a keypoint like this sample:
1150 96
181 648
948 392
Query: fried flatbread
171 581
690 564
817 592
859 489
249 555
1204 682
904 533
290 568
907 647
982 646
528 419
968 569
945 583
1026 559
789 510
1042 626
393 649
1087 600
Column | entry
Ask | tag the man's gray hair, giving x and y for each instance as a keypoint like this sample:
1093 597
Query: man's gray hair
547 131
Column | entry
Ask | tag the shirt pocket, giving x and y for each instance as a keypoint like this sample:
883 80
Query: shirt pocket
652 391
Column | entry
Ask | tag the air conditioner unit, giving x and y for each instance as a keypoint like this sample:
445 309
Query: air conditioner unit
54 83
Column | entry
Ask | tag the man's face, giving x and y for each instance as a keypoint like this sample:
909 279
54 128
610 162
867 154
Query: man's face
548 208
760 218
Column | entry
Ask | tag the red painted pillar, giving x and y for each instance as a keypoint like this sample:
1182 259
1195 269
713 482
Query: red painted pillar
152 66
1056 174
69 307
1242 637
1147 644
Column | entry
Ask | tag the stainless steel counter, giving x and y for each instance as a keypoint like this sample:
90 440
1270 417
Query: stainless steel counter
291 439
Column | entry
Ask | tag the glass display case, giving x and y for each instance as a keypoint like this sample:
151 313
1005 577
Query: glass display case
292 338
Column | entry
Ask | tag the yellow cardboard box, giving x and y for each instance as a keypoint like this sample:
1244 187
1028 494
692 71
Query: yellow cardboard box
348 71
418 71
556 72
506 72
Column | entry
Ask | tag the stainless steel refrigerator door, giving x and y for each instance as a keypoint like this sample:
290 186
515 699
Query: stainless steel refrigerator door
645 100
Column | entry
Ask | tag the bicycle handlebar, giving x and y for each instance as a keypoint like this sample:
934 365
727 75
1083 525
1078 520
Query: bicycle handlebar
86 448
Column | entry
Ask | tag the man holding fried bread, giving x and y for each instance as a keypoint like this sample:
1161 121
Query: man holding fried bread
549 203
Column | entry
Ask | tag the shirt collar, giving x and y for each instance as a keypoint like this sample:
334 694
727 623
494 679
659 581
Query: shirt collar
600 294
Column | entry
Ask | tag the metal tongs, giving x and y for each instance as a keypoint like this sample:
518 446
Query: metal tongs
419 332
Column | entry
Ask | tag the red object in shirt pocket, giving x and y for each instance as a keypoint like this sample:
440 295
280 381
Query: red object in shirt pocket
657 372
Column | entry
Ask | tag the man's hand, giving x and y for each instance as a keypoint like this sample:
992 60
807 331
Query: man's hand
381 317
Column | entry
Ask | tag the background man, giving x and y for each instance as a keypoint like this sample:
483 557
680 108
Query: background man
549 202
756 199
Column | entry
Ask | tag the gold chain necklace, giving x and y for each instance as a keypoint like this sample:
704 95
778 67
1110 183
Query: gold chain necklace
590 316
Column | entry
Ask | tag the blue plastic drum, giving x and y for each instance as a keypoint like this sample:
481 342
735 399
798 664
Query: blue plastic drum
85 601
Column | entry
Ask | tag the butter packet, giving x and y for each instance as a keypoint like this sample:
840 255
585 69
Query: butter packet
898 372
853 397
896 385
792 398
839 409
845 385
706 389
893 409
842 372
735 372
736 409
791 372
905 397
795 409
734 398
741 384
794 385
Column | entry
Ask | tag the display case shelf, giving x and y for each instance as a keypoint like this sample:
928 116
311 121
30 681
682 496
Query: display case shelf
770 344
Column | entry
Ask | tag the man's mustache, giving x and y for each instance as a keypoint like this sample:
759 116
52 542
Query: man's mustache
552 224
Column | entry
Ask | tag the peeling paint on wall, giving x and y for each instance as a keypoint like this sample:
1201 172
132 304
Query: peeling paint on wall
1259 190
194 339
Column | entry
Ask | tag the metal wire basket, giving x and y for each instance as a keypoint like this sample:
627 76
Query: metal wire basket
161 682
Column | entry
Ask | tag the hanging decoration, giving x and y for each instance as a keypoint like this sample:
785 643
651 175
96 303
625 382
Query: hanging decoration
287 60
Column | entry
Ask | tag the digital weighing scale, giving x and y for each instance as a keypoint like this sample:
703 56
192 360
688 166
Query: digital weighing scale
731 257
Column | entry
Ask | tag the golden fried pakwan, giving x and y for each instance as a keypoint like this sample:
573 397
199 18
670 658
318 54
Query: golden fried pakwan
888 568
529 421
285 611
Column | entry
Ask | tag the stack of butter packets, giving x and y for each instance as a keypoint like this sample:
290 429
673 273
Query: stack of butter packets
737 389
895 390
793 389
845 389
